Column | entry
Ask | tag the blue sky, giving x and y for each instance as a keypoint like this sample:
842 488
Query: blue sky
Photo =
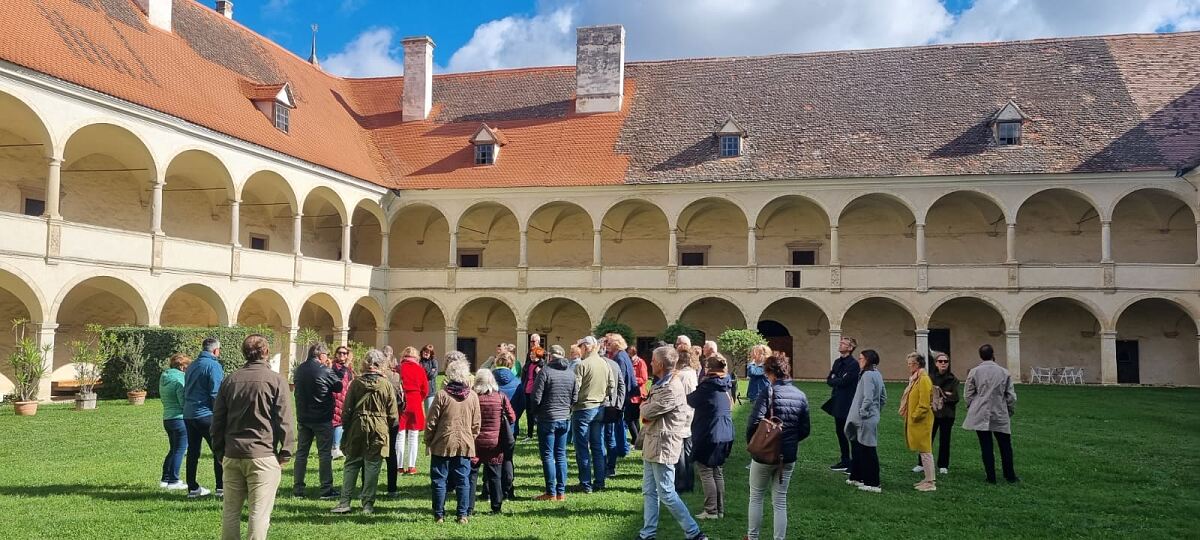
361 37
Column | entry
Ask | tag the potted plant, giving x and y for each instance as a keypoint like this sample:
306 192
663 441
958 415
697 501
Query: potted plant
28 362
133 369
89 356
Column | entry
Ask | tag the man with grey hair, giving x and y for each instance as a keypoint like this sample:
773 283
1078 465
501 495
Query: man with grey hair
683 341
597 386
662 445
709 349
316 384
201 383
371 410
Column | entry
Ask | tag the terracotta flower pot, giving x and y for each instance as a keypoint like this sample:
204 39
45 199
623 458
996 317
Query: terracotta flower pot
85 402
25 408
136 398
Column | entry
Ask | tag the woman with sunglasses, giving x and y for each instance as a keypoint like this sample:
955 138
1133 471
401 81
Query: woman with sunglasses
943 418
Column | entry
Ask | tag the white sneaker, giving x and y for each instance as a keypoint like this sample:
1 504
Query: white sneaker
706 515
162 485
337 454
199 492
870 489
177 486
854 483
943 470
918 468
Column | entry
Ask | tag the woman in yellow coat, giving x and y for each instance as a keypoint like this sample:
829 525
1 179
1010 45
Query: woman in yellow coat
917 411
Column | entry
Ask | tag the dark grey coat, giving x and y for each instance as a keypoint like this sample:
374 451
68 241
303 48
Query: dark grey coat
555 390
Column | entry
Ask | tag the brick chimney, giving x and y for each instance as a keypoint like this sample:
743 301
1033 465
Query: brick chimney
225 7
418 77
599 68
158 11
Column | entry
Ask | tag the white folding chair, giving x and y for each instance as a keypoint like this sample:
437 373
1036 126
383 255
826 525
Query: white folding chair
1072 375
1041 375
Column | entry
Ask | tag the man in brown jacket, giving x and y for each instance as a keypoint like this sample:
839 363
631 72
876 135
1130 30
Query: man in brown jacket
253 436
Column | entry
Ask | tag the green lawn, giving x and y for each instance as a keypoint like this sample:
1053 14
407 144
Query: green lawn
1095 462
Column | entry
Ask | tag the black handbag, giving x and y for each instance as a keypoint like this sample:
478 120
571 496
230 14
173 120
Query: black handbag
507 439
613 414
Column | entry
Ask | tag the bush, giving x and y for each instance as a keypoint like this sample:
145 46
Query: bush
161 343
735 344
681 328
609 326
132 363
27 361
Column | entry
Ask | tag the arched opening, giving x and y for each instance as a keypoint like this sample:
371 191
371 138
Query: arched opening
560 235
24 145
488 237
1060 332
886 326
417 322
193 305
17 302
366 234
711 316
792 230
643 316
321 226
107 179
420 238
965 227
877 229
634 233
1153 226
1058 226
711 232
960 325
482 324
322 314
268 205
1156 344
798 327
560 321
366 318
103 300
268 309
196 198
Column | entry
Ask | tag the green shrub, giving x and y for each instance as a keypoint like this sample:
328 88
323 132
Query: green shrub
735 345
161 343
610 326
132 363
680 328
27 361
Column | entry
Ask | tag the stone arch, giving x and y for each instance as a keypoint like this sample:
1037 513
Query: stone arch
19 300
457 313
559 234
807 334
419 238
488 320
790 223
839 315
193 304
1059 330
923 212
25 144
101 299
716 226
321 226
267 206
1088 305
634 232
365 320
269 303
367 226
127 291
17 283
1153 225
561 320
491 229
1000 309
965 226
706 313
1075 192
877 228
884 323
1058 225
644 314
108 172
322 312
196 196
1157 341
416 321
959 323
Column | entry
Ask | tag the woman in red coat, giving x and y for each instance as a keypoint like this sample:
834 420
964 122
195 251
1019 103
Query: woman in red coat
412 418
496 414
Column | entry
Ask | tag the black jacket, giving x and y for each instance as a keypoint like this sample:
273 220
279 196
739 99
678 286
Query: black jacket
315 386
843 378
791 408
712 426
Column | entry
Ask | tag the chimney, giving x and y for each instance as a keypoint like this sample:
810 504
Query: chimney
418 77
158 11
599 68
225 7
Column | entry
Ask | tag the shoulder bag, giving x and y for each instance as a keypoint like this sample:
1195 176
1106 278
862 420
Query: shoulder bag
766 443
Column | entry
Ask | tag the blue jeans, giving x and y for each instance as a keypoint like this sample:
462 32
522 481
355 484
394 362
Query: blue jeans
337 437
453 472
552 443
589 446
177 437
658 485
615 445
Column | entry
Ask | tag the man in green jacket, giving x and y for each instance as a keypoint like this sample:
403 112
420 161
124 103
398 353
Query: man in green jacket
597 385
369 412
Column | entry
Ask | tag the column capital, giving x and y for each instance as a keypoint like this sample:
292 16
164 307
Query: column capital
598 230
1012 333
385 234
452 329
1105 222
47 327
54 161
1108 334
922 331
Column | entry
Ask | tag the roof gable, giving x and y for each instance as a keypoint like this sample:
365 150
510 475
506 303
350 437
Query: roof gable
487 135
1010 112
731 127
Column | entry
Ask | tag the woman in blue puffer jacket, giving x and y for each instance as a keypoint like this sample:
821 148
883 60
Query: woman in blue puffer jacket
790 406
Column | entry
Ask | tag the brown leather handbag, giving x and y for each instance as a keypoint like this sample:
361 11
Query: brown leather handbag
766 443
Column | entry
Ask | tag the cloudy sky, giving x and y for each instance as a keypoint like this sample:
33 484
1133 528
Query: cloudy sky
361 38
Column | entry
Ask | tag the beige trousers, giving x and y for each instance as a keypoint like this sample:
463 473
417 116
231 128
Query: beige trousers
249 482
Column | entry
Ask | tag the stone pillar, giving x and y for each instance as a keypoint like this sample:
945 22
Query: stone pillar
453 249
1108 357
381 338
835 337
235 214
156 204
1105 241
346 242
1012 347
1198 242
54 187
522 346
523 261
1011 243
751 248
923 343
297 227
45 338
451 342
672 249
342 336
293 347
383 250
920 233
833 246
596 242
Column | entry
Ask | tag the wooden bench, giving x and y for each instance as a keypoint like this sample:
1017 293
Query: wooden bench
68 387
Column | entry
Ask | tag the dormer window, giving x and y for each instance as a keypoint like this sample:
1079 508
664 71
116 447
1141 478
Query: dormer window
1007 124
282 117
275 101
487 142
730 137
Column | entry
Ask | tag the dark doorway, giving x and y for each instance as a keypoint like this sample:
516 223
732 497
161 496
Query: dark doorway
1128 371
939 340
778 338
467 347
645 347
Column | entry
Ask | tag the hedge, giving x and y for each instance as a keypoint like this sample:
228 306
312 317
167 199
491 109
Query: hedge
161 343
680 328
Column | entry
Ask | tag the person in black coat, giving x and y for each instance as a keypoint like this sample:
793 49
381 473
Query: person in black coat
843 379
316 384
712 434
789 406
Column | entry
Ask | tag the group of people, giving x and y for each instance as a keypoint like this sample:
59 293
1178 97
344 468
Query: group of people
379 409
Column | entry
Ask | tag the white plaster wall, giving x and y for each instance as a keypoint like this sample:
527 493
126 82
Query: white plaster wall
106 199
722 227
495 232
560 237
366 238
1150 227
1052 336
195 215
1166 337
634 234
875 230
963 229
885 327
971 323
791 222
420 238
21 168
1057 227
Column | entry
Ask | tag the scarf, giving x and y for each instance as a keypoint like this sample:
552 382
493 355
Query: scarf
912 381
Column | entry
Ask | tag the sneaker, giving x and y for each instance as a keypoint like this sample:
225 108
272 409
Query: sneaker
926 486
943 470
854 483
368 509
700 536
177 486
706 515
198 492
545 497
341 508
839 466
337 454
462 520
439 520
331 495
392 494
918 468
220 493
162 485
411 470
870 489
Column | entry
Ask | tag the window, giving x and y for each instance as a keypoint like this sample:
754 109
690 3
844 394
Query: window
34 207
692 258
282 117
731 146
485 154
472 258
1008 133
792 279
804 257
259 242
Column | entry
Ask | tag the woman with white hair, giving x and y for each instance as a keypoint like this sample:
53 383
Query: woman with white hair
450 432
494 439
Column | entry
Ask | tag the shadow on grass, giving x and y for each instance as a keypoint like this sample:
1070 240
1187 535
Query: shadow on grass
115 493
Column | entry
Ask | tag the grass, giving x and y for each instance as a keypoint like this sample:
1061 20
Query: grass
1096 462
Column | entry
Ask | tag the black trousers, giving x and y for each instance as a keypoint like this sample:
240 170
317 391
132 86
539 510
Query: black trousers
633 421
839 425
393 461
1004 440
685 475
945 426
507 473
493 485
864 464
200 429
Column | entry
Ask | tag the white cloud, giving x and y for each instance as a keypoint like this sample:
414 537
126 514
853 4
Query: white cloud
371 54
658 30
